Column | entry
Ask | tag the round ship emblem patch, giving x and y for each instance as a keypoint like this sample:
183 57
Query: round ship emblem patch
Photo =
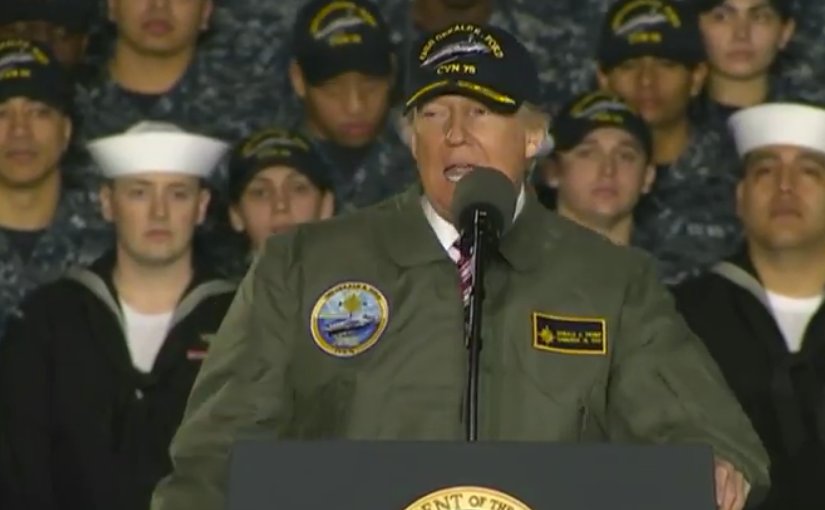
468 498
349 318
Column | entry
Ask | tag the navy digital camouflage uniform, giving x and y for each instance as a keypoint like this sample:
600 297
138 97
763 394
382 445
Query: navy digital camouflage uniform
799 70
779 90
803 65
212 98
387 169
255 34
244 44
688 221
561 35
77 235
76 232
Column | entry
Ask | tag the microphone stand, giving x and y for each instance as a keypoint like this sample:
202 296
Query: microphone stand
480 238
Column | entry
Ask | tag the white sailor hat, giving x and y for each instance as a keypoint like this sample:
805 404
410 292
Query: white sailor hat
767 124
156 147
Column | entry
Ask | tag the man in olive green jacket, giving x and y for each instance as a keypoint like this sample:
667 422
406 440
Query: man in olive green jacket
353 328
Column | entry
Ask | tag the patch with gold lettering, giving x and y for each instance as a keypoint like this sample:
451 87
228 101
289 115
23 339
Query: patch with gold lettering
340 23
468 498
569 335
643 21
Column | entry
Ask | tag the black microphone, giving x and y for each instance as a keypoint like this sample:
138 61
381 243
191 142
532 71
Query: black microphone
488 193
483 206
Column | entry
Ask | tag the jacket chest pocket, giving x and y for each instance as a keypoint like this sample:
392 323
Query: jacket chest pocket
552 350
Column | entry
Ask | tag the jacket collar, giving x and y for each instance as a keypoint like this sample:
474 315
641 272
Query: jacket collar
406 234
533 234
410 239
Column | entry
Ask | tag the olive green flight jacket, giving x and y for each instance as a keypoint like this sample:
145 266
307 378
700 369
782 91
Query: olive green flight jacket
353 328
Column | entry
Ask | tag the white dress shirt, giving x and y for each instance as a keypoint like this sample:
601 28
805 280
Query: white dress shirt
445 231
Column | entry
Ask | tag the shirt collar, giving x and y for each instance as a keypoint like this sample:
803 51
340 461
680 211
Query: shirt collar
445 231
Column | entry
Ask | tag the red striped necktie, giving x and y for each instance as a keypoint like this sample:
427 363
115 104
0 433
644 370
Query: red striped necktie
465 273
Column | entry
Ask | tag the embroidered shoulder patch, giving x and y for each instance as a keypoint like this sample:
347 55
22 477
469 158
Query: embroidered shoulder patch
349 318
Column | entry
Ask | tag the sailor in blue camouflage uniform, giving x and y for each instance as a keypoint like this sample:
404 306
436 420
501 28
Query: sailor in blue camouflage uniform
600 167
157 71
651 54
560 34
343 69
64 27
46 224
745 42
61 25
276 181
758 48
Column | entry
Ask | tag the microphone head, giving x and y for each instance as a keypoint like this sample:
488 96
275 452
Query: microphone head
487 189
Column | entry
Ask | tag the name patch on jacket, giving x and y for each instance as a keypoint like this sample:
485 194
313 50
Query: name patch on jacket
569 335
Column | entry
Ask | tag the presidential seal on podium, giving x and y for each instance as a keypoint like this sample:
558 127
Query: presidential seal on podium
468 498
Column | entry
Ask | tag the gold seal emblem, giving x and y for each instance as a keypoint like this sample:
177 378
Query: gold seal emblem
468 498
349 318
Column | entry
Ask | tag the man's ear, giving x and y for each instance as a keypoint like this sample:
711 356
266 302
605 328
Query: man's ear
394 67
206 14
603 80
327 206
650 178
110 9
534 142
740 194
235 219
68 129
411 138
296 78
550 171
698 76
204 196
105 195
788 30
